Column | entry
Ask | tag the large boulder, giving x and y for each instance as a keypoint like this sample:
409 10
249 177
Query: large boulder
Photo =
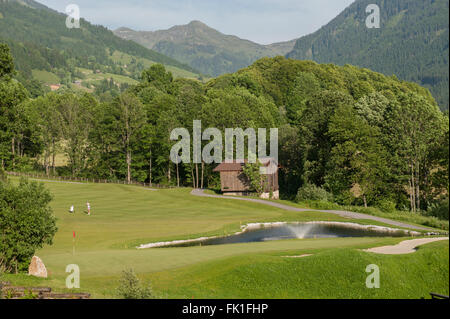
37 268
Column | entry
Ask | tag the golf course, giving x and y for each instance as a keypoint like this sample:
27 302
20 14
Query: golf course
124 217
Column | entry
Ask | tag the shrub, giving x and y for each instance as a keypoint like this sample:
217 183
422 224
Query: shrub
256 180
386 206
317 204
26 222
310 192
439 209
131 288
345 198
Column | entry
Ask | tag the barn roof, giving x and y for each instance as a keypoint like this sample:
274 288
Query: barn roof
238 165
229 167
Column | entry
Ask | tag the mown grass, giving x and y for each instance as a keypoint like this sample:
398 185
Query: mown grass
125 216
329 273
101 268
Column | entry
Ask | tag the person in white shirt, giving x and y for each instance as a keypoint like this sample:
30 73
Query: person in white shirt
88 208
72 209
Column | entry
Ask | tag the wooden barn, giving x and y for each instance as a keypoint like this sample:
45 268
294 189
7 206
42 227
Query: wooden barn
234 182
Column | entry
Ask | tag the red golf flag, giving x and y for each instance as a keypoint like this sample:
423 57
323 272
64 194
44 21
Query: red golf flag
73 234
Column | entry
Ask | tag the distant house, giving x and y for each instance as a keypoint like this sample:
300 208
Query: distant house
234 182
55 87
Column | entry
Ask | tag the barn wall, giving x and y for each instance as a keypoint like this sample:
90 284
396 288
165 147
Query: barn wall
234 181
271 182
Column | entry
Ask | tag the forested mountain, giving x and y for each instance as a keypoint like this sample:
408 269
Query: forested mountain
205 48
411 43
41 42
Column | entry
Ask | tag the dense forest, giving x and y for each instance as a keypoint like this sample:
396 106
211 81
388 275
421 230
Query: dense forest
412 42
364 138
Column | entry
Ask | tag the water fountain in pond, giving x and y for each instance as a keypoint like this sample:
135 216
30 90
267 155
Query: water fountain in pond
300 232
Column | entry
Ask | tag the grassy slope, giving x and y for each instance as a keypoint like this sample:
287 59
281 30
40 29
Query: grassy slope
329 273
46 77
123 58
95 78
124 216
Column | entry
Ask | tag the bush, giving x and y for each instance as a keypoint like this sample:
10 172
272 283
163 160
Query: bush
130 287
386 206
345 198
26 222
439 210
318 204
310 192
256 180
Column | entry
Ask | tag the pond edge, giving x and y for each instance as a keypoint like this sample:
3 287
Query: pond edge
255 226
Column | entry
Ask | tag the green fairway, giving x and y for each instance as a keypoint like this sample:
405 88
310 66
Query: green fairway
126 216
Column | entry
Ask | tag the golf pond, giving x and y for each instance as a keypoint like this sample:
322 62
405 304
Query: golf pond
282 231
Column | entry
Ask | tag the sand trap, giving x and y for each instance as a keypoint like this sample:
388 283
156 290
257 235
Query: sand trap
300 256
405 247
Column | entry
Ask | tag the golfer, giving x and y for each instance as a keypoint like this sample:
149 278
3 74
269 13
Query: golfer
88 208
72 209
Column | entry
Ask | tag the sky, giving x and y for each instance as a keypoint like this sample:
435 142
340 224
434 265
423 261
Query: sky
261 21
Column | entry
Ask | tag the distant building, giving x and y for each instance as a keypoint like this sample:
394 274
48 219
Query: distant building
234 182
55 87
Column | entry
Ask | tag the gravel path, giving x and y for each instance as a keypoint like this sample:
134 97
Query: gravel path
200 192
405 247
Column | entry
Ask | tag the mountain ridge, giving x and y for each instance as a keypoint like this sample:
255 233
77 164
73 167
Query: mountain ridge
205 48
